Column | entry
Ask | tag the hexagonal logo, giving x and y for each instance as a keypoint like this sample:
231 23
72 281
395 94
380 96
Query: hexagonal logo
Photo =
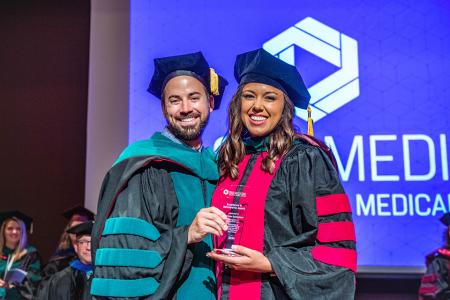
332 46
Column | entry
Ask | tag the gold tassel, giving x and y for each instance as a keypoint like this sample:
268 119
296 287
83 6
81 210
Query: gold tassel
310 122
214 82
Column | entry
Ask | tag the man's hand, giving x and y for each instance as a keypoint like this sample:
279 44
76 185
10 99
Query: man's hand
209 220
246 260
3 284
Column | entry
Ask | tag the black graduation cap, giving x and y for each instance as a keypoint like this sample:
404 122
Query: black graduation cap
82 228
19 215
445 219
78 210
192 64
261 66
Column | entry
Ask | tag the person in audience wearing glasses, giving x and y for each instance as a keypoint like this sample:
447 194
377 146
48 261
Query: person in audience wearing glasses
19 262
65 252
435 283
73 282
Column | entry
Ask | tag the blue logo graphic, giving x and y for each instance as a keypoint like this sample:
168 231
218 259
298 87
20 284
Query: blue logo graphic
332 46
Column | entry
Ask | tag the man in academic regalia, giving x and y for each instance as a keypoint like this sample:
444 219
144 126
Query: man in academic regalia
65 252
73 282
435 283
154 219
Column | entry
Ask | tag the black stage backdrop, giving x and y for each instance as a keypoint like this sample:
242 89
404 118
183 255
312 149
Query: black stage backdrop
44 63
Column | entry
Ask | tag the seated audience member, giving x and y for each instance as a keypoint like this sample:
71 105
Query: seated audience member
19 262
73 282
65 253
435 283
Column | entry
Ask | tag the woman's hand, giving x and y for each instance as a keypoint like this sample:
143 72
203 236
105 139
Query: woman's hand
209 220
246 260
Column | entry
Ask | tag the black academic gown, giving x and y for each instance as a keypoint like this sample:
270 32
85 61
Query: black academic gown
435 283
308 240
163 204
59 261
72 283
140 238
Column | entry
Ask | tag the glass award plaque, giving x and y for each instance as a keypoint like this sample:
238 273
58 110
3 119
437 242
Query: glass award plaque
235 206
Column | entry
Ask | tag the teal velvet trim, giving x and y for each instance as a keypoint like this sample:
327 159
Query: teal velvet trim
134 226
123 288
256 144
202 164
118 257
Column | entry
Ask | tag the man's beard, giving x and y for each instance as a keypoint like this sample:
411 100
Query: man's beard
187 133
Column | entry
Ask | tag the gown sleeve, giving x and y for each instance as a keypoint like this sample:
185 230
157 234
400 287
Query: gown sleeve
435 281
58 287
53 266
141 252
56 264
31 263
310 235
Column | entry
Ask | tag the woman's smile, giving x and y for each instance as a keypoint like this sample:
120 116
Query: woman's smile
262 106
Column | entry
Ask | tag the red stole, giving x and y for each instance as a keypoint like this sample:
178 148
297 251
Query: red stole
243 284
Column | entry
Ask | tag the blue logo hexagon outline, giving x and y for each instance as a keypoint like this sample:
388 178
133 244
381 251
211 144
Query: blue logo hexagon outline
335 90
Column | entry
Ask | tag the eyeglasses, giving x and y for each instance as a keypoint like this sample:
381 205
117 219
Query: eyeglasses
84 243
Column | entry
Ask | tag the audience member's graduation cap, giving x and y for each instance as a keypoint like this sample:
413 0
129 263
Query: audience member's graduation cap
19 215
262 67
82 228
192 64
445 219
78 210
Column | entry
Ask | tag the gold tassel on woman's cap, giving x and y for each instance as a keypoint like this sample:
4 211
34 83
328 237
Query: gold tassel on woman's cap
310 122
214 82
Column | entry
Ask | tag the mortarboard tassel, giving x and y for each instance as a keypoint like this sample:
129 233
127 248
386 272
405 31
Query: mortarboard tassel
310 122
214 82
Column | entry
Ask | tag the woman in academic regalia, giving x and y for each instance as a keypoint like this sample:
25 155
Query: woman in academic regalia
17 257
290 233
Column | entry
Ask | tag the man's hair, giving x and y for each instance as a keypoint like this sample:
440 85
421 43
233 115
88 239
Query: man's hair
163 97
